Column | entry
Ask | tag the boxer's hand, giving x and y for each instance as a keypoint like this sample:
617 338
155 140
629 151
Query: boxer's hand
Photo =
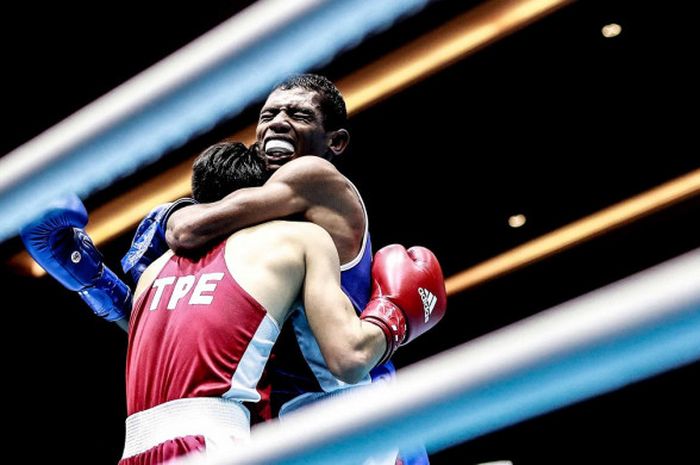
149 240
56 241
408 294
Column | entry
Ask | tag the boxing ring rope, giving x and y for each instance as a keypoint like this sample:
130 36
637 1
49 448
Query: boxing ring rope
412 62
638 327
187 93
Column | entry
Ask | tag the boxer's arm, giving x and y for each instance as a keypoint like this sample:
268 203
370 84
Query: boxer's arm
195 226
351 347
293 188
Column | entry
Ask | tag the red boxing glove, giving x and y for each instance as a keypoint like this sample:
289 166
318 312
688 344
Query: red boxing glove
408 294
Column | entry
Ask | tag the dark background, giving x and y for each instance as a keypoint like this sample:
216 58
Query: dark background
554 121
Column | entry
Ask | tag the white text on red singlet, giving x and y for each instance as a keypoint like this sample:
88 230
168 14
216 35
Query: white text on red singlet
182 288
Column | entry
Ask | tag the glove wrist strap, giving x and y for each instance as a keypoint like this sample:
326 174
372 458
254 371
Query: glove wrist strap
175 206
390 319
108 297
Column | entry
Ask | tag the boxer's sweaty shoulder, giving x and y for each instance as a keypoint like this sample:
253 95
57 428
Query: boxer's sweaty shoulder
268 261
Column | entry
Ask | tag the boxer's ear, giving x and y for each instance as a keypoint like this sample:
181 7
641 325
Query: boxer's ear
338 141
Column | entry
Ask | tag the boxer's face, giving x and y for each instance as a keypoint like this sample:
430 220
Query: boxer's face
291 125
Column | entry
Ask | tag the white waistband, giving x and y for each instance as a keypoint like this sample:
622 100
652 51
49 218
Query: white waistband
214 418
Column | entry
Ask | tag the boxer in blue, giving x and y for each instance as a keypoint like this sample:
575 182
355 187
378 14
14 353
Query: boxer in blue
303 116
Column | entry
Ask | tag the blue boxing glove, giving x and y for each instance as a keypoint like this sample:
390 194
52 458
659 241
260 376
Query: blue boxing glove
147 245
149 240
56 241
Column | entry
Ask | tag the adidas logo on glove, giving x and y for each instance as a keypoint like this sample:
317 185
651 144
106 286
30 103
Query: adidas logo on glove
429 301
